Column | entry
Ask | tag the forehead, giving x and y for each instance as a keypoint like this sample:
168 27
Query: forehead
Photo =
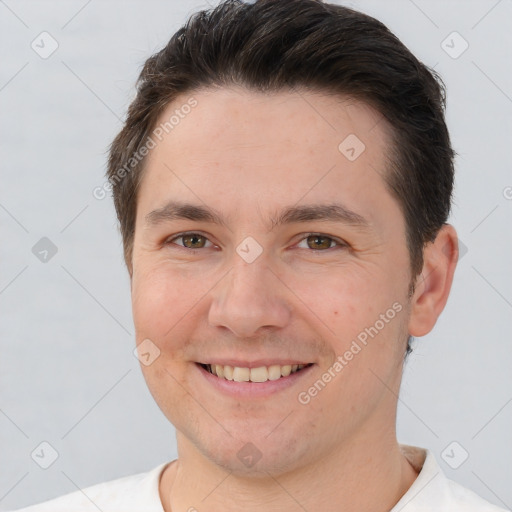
240 145
296 115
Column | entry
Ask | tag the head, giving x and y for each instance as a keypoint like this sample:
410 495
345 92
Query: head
308 136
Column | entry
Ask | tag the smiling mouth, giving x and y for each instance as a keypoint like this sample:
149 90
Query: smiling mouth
260 374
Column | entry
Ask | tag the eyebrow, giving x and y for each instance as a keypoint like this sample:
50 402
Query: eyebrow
334 212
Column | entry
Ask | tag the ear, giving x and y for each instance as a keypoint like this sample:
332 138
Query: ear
435 281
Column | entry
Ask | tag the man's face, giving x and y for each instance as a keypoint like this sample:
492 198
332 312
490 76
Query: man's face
260 289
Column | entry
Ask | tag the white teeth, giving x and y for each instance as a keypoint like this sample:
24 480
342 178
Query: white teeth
286 370
241 374
274 372
219 370
228 372
260 374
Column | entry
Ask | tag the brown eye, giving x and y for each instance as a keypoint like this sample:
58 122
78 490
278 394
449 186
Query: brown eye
193 241
319 242
190 241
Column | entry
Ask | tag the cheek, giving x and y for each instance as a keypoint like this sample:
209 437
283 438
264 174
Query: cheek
361 317
163 301
164 304
344 301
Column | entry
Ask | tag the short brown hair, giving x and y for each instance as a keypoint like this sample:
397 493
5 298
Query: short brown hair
275 45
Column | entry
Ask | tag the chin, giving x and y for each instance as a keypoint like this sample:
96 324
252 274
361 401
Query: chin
255 456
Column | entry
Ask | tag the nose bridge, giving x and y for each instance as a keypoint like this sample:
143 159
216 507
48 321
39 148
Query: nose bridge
249 297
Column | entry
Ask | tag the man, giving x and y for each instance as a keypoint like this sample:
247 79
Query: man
283 182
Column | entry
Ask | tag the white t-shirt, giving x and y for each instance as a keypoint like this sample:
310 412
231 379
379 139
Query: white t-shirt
432 491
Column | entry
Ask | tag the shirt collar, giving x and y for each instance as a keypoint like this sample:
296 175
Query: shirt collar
430 490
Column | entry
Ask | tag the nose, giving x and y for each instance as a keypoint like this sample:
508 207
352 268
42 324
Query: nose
249 299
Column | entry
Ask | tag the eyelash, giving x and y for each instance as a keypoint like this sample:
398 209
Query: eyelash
340 243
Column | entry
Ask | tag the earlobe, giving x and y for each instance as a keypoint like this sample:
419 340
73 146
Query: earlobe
434 283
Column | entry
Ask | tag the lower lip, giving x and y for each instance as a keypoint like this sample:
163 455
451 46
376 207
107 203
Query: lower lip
253 389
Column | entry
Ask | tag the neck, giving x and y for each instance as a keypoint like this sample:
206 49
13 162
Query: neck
359 476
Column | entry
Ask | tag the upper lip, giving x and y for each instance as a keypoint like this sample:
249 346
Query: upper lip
253 364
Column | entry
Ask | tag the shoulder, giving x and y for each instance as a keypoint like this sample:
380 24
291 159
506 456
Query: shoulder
130 492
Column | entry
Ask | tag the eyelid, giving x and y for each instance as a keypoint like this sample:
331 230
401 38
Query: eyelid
340 243
170 240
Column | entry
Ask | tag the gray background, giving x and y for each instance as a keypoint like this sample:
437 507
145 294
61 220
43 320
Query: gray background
68 374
